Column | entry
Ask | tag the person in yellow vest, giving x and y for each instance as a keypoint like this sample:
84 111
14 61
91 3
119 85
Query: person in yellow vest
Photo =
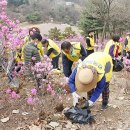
92 76
72 52
27 40
113 47
127 46
90 42
53 51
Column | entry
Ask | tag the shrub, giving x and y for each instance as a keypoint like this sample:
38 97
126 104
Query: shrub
33 18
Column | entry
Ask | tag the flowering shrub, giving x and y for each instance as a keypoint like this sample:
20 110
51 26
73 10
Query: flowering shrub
126 63
11 35
49 82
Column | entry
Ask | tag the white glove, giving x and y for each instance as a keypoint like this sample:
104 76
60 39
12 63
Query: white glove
90 103
127 54
75 98
79 61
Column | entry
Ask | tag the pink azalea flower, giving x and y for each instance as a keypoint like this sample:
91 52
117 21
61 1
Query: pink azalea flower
49 89
8 91
33 92
13 95
30 101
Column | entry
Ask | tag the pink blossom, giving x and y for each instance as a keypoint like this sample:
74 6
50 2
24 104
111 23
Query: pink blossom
13 95
8 91
49 89
33 92
33 58
30 101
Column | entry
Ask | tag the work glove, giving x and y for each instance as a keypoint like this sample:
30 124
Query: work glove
79 61
127 54
90 103
75 98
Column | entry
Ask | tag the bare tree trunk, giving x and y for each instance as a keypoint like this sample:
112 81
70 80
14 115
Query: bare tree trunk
103 32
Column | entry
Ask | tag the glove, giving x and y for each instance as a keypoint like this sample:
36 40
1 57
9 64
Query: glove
79 61
127 54
90 103
75 98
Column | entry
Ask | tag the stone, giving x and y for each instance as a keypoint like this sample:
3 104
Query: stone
15 111
34 127
4 120
24 113
54 124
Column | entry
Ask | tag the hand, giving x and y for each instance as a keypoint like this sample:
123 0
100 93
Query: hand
127 54
79 61
90 103
75 98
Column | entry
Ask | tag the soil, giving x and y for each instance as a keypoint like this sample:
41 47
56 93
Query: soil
115 117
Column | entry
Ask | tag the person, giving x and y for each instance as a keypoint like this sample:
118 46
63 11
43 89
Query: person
27 40
90 42
113 47
72 52
53 51
127 46
31 49
92 76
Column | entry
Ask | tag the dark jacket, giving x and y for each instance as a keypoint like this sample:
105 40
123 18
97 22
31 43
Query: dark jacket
30 51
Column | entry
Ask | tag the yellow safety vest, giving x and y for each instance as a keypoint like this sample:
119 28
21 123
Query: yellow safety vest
56 48
91 43
77 49
128 46
102 62
27 39
17 57
109 44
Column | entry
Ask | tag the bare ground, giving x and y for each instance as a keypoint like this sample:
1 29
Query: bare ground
115 117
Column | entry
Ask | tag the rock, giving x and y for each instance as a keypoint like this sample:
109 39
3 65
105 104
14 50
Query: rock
4 120
54 124
57 117
114 106
58 128
74 127
121 98
24 113
68 125
33 127
49 127
15 111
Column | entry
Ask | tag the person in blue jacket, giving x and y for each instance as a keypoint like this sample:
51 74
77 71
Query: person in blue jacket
92 76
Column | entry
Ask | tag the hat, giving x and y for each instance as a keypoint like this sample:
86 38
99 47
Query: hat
86 79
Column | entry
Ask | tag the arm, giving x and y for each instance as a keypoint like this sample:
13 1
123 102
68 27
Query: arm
126 42
98 90
66 65
72 81
88 42
111 51
49 51
83 53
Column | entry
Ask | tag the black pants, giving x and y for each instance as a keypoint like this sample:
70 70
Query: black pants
55 61
89 52
105 94
67 64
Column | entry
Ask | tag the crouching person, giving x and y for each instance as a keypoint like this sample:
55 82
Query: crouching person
53 51
92 76
72 52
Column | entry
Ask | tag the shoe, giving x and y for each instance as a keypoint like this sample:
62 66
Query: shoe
104 106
